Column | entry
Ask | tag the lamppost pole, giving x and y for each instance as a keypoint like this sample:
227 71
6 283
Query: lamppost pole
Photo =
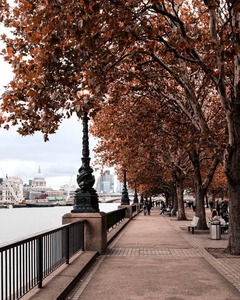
125 198
86 198
135 199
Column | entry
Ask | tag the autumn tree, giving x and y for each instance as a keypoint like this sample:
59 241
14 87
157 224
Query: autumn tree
222 68
137 125
218 187
65 54
142 81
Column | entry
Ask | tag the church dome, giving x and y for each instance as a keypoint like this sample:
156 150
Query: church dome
39 180
39 175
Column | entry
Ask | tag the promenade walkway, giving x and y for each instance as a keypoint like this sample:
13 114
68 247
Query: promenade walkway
155 257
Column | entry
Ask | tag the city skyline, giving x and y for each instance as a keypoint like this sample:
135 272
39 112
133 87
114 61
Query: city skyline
111 183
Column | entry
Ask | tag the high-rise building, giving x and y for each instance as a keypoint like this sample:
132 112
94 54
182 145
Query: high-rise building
105 183
118 186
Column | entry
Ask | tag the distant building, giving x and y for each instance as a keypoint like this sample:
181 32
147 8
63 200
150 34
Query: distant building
38 182
67 192
118 186
105 183
37 187
11 189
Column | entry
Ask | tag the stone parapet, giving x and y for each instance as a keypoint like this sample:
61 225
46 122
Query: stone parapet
128 210
95 229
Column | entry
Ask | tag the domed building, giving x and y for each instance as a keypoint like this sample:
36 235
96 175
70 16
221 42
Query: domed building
38 181
37 187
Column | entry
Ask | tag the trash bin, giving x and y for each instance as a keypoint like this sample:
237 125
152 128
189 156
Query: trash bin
215 230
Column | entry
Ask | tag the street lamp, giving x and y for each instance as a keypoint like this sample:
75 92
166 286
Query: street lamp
125 198
135 198
86 197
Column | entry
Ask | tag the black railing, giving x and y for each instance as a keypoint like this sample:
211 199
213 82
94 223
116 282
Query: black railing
24 264
134 208
114 217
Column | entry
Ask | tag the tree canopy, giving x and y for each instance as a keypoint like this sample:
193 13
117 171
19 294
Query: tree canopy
163 76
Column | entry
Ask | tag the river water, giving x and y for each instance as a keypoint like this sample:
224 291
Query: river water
17 223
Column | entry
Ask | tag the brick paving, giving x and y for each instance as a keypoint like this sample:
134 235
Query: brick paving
161 241
227 267
173 253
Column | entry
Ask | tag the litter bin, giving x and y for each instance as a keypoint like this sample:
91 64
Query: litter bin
215 230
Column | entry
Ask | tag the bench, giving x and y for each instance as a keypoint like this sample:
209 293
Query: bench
167 212
193 224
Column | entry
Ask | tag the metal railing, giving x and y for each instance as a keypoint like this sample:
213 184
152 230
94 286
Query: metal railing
134 208
114 217
24 264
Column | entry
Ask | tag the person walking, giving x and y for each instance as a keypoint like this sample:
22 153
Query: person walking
145 208
211 204
149 206
162 207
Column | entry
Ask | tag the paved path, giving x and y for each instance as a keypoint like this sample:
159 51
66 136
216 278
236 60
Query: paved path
155 257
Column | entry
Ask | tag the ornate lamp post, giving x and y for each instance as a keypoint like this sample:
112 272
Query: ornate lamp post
86 198
135 198
125 198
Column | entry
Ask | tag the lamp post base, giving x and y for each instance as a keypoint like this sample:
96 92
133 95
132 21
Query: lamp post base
85 201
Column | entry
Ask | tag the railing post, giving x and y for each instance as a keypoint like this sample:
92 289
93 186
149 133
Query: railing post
39 261
67 245
83 234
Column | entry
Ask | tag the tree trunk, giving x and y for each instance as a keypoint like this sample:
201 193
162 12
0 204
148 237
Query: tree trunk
200 208
232 168
175 201
232 153
179 177
234 220
167 197
200 192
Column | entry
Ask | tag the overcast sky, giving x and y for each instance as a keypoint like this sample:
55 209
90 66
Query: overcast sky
59 158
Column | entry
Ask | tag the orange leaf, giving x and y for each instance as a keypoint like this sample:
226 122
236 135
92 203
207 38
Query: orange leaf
10 51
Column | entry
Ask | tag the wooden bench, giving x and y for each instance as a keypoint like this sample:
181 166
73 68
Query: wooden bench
193 224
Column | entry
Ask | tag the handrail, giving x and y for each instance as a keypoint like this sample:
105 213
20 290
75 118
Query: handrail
134 208
115 216
25 263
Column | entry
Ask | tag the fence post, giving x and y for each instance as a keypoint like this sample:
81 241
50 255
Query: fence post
39 261
67 245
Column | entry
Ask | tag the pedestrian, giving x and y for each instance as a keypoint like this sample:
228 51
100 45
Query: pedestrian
224 209
149 206
162 207
145 208
211 203
218 203
194 206
214 213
